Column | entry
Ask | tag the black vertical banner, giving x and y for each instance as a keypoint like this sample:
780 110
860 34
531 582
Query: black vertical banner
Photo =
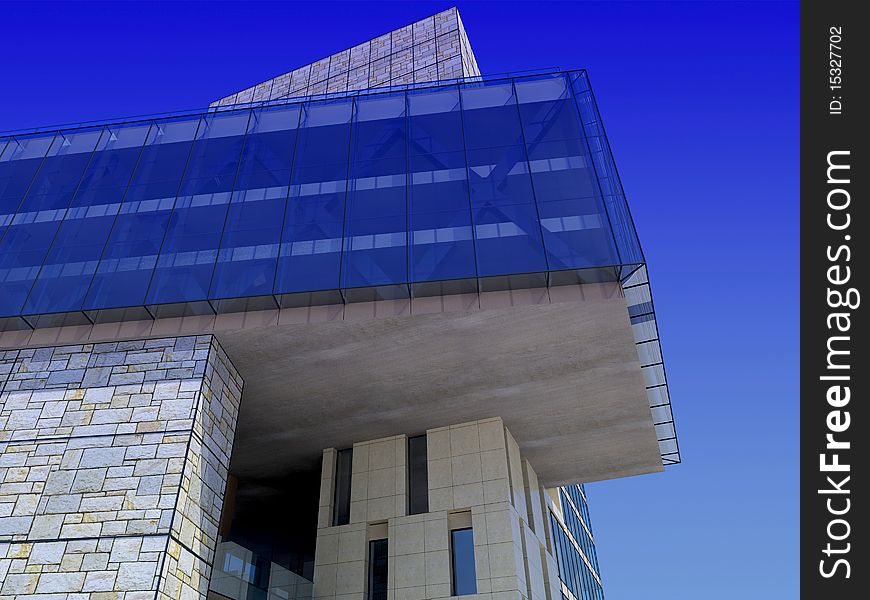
835 225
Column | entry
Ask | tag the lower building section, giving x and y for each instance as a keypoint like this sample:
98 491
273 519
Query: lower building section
481 525
116 483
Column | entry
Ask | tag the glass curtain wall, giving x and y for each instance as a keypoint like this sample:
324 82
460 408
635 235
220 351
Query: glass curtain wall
445 189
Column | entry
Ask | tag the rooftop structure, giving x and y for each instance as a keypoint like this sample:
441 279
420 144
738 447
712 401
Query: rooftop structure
432 49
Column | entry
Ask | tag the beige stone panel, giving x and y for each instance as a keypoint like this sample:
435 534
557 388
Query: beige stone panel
532 560
534 501
518 491
87 568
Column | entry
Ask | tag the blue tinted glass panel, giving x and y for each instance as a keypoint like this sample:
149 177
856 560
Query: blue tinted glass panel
31 232
18 164
376 226
621 223
547 110
76 250
189 251
573 570
462 562
435 123
574 223
124 271
59 175
249 248
506 226
310 253
439 216
490 116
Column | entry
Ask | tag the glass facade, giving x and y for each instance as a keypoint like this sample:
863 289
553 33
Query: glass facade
239 573
574 547
378 195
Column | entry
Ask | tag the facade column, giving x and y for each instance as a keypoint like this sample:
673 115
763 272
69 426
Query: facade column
113 465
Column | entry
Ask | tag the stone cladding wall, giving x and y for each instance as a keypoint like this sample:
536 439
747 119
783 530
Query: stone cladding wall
113 467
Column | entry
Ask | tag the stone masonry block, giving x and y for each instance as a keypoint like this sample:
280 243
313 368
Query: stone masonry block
113 462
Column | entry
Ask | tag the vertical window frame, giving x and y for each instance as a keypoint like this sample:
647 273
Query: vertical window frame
340 498
454 583
418 504
381 544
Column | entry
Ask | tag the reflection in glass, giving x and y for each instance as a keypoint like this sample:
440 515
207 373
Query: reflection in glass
377 572
341 501
436 190
248 255
441 238
78 245
125 268
30 232
418 475
462 562
506 225
310 253
375 226
189 250
20 159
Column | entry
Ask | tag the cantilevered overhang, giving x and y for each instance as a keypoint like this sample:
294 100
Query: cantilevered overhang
560 365
561 370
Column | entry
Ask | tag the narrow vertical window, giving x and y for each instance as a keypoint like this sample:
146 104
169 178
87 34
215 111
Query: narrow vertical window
377 570
418 476
341 502
462 562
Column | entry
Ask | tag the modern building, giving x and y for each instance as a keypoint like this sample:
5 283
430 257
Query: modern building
360 331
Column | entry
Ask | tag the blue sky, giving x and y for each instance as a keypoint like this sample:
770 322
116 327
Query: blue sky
700 101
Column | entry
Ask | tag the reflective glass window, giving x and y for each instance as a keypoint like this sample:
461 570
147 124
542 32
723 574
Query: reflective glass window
574 223
19 162
418 475
124 271
490 115
462 562
249 247
624 233
28 237
310 253
78 245
189 251
442 246
506 227
547 109
376 226
378 569
343 475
